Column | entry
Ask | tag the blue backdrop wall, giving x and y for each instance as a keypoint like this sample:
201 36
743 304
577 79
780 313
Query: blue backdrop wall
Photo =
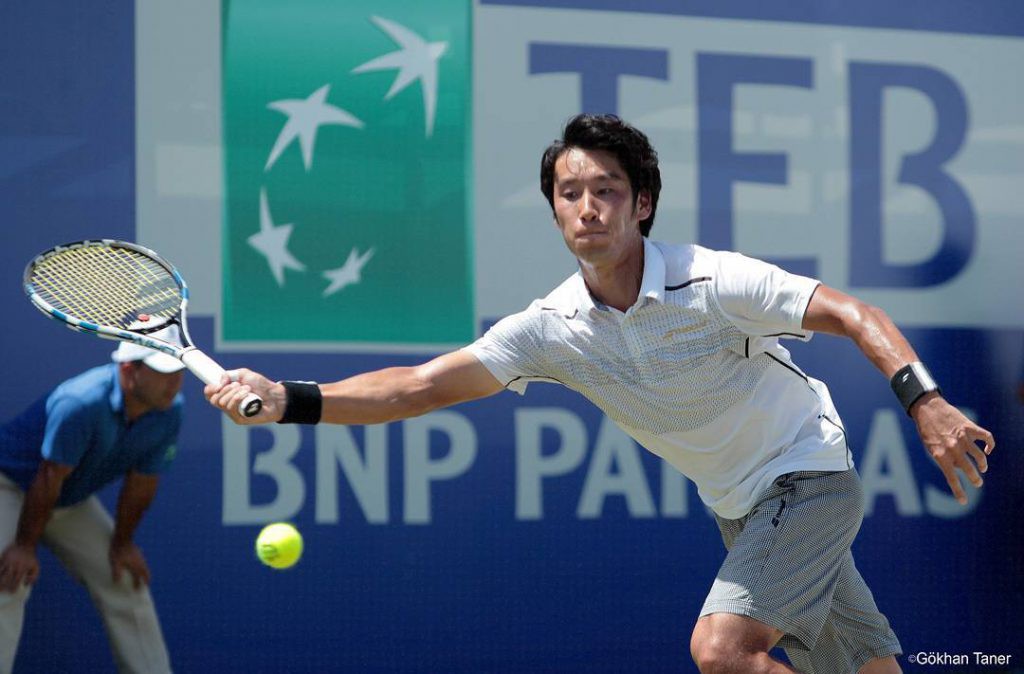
457 543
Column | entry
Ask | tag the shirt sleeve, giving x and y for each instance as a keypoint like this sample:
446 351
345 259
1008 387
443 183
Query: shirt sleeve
761 299
70 429
511 350
163 452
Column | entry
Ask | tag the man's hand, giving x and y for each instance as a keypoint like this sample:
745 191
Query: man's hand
128 557
951 439
236 385
18 566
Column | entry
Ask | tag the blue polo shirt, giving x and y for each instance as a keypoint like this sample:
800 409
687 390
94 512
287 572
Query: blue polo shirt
81 423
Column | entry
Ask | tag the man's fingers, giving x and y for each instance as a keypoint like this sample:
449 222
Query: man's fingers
229 392
233 403
954 483
969 469
15 574
240 375
217 393
141 573
238 394
11 579
980 458
977 433
229 376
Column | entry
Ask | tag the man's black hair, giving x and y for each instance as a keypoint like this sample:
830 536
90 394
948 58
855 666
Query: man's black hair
623 141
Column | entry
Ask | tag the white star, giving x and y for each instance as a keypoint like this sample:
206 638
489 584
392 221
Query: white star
272 242
348 273
304 118
417 61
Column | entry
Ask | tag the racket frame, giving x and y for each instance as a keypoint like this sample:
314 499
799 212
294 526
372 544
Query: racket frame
198 362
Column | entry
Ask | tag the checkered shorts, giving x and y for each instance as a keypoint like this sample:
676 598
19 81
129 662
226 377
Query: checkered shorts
789 566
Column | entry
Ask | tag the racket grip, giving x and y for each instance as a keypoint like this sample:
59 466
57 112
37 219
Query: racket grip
210 372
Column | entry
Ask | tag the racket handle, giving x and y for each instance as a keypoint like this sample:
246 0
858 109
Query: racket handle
210 372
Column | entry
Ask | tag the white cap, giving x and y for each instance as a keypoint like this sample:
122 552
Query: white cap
158 360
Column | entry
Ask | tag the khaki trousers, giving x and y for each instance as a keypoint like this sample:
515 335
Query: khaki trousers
79 536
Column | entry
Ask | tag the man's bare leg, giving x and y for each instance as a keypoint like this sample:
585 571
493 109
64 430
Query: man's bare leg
726 643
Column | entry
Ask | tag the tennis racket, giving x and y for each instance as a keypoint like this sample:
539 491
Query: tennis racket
119 290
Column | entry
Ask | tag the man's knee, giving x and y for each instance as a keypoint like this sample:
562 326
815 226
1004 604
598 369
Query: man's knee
723 643
711 655
119 595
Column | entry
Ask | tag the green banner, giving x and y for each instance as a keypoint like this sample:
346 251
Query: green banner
347 165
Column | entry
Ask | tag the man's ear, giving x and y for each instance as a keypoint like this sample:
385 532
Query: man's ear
126 371
643 204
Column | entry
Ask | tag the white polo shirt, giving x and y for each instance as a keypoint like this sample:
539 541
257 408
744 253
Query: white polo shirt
693 371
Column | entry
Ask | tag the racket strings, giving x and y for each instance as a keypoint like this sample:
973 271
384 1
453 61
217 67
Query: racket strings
106 285
68 286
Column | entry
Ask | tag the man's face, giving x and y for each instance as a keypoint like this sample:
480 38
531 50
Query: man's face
155 390
595 208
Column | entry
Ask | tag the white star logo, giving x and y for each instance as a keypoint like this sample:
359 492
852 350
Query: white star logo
272 242
348 273
305 116
417 60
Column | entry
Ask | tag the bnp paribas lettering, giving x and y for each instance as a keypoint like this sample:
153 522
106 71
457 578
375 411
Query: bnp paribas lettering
431 458
559 468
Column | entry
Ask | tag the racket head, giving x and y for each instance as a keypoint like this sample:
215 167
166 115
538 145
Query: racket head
120 290
110 288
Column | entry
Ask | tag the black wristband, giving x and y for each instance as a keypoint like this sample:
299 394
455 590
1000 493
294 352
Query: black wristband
911 382
303 403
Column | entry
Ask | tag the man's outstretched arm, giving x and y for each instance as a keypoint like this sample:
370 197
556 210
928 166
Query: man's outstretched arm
370 398
948 435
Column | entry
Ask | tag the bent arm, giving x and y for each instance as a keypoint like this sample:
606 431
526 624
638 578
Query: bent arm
947 434
40 499
137 493
18 562
870 328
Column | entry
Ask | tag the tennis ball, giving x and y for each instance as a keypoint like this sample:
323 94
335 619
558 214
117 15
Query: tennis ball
279 545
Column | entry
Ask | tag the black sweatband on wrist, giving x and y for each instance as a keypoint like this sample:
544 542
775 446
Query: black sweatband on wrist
303 403
911 382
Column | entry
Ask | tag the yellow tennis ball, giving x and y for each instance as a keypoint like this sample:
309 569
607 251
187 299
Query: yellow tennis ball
279 545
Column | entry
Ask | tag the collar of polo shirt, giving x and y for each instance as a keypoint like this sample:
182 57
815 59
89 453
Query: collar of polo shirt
572 296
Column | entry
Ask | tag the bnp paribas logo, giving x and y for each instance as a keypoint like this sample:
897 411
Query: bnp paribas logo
347 163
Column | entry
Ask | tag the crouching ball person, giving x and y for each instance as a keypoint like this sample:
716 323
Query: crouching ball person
679 345
113 421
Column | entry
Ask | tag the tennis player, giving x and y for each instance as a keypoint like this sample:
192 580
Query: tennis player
116 420
679 345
